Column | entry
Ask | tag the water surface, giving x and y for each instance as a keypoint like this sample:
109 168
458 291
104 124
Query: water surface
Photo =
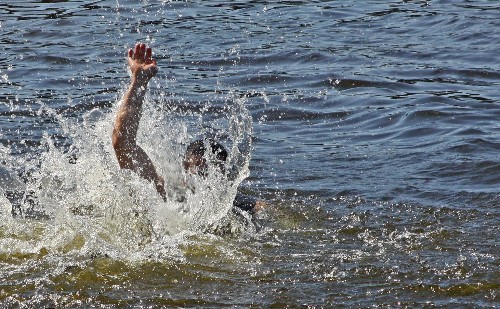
375 141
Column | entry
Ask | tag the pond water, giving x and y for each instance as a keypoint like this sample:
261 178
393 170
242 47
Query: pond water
375 137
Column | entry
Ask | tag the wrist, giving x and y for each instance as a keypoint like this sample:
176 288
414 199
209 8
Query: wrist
137 89
138 84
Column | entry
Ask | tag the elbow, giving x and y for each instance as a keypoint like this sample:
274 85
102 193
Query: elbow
117 141
119 145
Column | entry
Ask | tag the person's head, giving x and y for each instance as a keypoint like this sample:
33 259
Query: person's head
195 158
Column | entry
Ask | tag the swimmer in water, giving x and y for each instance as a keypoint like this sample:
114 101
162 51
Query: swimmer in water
131 156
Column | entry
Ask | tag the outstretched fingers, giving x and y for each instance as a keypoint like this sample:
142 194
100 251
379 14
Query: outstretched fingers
141 53
137 54
141 63
149 53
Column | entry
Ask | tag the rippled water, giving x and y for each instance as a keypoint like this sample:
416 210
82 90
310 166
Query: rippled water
376 143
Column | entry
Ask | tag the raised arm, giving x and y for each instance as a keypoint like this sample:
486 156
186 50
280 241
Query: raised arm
131 156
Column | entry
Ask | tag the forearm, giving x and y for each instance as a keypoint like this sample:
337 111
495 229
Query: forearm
136 91
133 99
129 114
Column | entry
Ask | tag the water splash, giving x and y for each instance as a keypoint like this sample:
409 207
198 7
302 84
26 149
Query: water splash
73 199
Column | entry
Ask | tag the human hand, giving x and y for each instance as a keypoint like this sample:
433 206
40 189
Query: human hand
141 63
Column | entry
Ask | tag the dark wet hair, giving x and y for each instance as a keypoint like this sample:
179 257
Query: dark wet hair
199 148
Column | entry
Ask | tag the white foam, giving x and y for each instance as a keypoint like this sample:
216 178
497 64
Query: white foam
90 206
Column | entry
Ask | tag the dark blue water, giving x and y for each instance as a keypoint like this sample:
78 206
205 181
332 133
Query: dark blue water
376 142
